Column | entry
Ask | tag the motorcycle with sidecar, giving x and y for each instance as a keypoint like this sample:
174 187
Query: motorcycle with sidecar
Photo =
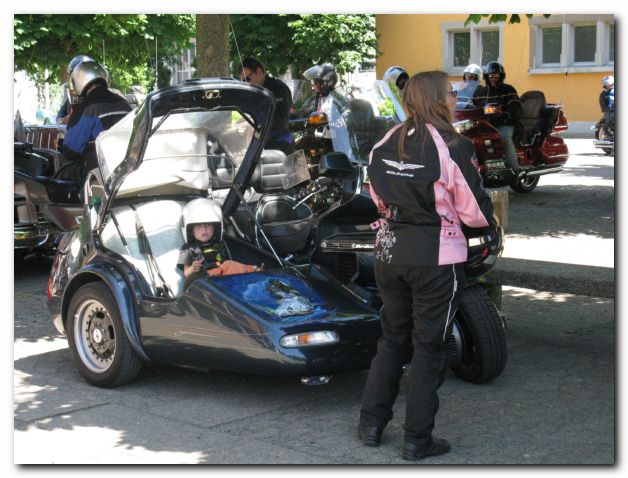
312 311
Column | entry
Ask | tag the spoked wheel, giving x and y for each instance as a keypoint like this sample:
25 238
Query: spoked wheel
478 337
97 340
525 184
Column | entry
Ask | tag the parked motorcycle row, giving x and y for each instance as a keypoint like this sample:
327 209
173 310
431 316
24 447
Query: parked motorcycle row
319 217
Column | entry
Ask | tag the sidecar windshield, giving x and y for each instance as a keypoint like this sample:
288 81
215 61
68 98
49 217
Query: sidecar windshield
187 150
360 116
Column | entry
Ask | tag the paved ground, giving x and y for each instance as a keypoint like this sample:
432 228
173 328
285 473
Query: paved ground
554 403
561 236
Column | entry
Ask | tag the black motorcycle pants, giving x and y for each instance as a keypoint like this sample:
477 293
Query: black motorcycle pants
419 305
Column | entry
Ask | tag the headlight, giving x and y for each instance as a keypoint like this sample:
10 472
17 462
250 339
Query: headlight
464 125
307 339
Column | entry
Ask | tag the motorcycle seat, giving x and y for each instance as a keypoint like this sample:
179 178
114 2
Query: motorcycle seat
361 120
532 117
287 225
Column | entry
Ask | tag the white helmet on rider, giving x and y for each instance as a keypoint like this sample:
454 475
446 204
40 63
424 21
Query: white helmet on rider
395 75
201 211
472 69
608 81
86 74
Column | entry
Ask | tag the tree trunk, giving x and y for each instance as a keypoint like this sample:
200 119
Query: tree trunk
212 45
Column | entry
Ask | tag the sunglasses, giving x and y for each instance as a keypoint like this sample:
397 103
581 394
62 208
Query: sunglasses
248 77
453 93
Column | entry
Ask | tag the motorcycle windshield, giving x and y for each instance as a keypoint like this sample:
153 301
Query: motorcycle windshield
360 117
465 91
303 98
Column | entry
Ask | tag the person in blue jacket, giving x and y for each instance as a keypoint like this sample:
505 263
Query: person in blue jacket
98 110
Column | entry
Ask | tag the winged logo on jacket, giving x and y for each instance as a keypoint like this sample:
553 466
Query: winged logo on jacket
401 166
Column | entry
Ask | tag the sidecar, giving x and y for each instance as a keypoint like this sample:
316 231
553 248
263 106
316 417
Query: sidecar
115 288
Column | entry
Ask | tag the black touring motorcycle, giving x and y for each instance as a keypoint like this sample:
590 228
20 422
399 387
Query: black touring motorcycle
36 192
311 311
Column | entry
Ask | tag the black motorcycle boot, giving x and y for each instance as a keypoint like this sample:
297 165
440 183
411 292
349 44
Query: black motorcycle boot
435 446
370 435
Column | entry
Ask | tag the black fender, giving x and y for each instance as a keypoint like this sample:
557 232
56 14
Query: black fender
106 273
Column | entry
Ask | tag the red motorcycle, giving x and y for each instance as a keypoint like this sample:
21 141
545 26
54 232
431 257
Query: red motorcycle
539 151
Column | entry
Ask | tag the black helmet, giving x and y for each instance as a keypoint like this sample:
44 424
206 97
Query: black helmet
325 74
493 67
485 245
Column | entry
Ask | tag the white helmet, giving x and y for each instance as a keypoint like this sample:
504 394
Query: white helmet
395 75
473 69
201 210
85 74
608 81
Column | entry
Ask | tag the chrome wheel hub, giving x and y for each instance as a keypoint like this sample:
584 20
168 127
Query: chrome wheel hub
94 335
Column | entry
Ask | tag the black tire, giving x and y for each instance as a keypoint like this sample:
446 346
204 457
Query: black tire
525 185
599 134
478 337
100 348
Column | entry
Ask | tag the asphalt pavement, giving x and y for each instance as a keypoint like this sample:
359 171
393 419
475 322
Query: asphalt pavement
554 403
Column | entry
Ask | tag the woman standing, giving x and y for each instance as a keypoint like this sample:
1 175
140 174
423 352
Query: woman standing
425 183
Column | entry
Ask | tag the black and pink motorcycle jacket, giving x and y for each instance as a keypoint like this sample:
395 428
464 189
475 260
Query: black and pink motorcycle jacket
424 199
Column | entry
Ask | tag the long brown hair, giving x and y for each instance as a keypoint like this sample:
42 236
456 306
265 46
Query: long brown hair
425 102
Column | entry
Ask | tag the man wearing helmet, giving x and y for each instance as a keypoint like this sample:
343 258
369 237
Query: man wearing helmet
252 71
497 92
324 79
395 75
98 110
63 115
607 102
471 77
203 252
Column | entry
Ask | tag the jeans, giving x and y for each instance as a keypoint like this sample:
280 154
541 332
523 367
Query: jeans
506 132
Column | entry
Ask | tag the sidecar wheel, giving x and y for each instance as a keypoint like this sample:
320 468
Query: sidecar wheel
100 348
478 337
525 184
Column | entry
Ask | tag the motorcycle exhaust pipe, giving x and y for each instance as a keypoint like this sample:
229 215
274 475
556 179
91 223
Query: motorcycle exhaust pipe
541 172
599 143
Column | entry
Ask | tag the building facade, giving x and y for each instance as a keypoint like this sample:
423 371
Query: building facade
565 56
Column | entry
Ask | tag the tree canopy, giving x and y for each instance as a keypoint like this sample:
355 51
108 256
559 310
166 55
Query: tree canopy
498 17
125 44
302 40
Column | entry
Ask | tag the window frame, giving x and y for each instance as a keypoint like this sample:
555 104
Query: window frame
602 61
475 31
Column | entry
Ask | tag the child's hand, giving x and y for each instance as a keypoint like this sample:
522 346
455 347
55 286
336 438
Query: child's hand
197 265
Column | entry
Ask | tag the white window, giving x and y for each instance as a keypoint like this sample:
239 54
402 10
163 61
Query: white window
578 43
462 45
182 68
